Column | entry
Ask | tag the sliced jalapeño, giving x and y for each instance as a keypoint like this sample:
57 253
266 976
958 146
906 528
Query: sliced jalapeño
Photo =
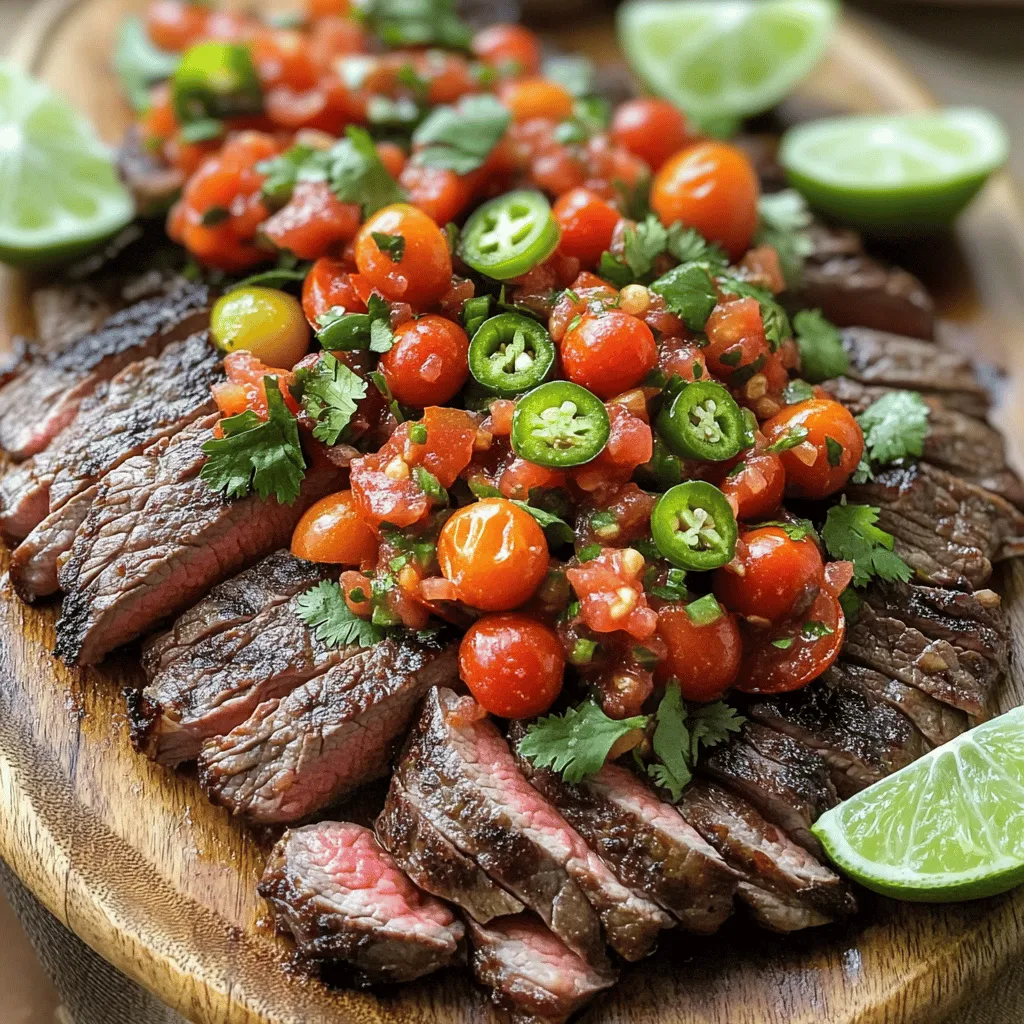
216 80
509 235
703 422
510 354
559 425
693 526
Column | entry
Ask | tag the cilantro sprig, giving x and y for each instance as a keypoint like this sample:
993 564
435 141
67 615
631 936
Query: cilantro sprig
324 610
643 243
329 393
460 138
895 427
850 533
341 331
784 220
822 355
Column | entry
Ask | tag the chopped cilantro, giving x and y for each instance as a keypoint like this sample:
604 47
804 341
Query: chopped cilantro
850 533
793 529
783 643
784 219
822 355
833 451
340 331
430 485
689 292
797 391
324 610
556 530
688 246
281 173
583 651
329 392
393 245
790 439
402 23
814 630
460 138
588 552
357 174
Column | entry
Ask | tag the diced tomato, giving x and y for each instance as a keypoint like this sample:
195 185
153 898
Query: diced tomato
735 339
630 444
622 518
314 222
520 477
329 284
755 485
448 448
611 593
244 371
282 57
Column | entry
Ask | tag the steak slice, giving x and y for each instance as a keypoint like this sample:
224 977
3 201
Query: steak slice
309 749
437 865
949 531
157 537
24 496
894 361
344 898
531 973
789 783
38 404
460 773
240 646
150 399
153 184
862 739
643 839
784 886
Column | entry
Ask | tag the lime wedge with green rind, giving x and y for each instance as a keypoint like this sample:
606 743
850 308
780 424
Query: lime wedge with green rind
895 171
723 60
59 190
946 828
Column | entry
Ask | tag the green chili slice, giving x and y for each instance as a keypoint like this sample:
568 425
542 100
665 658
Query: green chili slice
510 354
559 425
665 469
703 422
216 80
507 236
694 527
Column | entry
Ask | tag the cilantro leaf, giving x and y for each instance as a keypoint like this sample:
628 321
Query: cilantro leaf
688 245
793 529
357 174
349 332
643 244
792 437
460 138
850 533
576 744
613 269
280 278
895 426
430 485
139 64
330 391
299 162
822 355
253 454
671 743
324 610
689 292
382 338
393 245
400 23
784 219
797 391
557 530
711 724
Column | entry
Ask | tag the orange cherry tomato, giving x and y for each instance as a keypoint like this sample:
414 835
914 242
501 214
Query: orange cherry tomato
712 187
313 222
772 575
512 664
423 273
831 451
704 657
494 553
528 98
651 129
587 223
440 193
609 353
173 25
333 531
429 361
509 48
329 284
756 485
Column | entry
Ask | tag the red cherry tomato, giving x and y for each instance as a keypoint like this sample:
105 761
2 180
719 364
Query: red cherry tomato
429 361
173 25
509 48
494 553
651 129
528 98
755 485
329 284
682 357
587 223
512 664
704 657
831 451
333 531
712 187
609 353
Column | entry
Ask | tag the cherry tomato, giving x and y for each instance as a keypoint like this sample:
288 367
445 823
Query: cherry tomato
313 222
651 129
755 485
528 98
509 48
440 193
587 223
609 353
494 553
704 656
173 25
324 8
429 361
772 576
830 452
421 273
712 187
512 664
264 321
329 284
333 531
392 156
736 338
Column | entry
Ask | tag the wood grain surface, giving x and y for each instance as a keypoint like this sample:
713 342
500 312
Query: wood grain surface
135 860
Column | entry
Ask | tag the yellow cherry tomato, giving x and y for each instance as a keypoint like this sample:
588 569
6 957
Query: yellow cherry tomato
264 321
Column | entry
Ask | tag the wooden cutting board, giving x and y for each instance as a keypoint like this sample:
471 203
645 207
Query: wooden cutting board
134 859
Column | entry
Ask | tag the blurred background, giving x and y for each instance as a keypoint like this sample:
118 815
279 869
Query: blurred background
966 52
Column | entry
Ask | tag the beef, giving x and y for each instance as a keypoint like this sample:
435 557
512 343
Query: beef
461 775
784 886
150 399
43 400
789 783
862 738
891 360
947 530
15 358
157 537
342 897
309 749
240 646
153 184
532 974
24 496
644 840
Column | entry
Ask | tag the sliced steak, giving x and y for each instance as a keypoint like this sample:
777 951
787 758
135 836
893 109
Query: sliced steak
157 537
947 530
531 973
148 400
862 738
14 359
437 865
643 839
38 404
784 886
24 496
788 782
342 897
240 646
307 750
893 361
460 773
153 184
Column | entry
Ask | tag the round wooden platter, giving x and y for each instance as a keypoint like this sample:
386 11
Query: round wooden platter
141 866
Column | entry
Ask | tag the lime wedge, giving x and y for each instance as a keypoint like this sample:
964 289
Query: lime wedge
895 170
723 60
59 191
948 827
